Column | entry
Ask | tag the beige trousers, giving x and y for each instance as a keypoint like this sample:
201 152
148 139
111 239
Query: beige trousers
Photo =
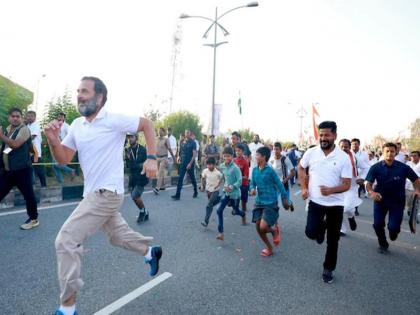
97 210
162 171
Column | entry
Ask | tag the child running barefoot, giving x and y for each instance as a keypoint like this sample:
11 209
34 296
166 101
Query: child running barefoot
211 179
265 184
233 179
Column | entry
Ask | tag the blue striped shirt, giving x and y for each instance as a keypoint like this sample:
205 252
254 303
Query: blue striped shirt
267 183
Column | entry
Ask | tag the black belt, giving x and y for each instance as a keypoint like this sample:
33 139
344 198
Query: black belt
161 156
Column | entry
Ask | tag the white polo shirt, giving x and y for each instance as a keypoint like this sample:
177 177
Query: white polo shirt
363 164
172 143
37 141
100 145
327 171
64 130
416 169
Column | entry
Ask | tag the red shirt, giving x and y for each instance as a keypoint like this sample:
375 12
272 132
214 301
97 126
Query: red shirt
243 164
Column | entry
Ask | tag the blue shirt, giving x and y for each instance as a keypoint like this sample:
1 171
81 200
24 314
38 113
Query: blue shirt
233 178
187 150
391 180
267 183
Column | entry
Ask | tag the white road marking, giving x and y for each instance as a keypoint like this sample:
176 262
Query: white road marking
298 192
40 208
133 295
2 214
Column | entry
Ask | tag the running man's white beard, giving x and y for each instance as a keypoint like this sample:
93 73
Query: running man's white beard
87 109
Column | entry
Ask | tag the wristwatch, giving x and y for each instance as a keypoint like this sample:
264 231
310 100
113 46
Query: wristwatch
151 157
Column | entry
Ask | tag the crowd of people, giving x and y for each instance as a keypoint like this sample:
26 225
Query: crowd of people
332 178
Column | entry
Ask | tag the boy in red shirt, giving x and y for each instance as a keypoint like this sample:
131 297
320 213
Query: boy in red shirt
243 165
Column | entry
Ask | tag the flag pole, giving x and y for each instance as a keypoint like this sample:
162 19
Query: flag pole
240 110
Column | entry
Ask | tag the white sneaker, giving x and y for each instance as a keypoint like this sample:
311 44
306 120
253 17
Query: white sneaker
29 224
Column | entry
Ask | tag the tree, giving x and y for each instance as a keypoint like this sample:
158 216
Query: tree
60 104
12 95
247 134
180 121
414 140
153 114
377 143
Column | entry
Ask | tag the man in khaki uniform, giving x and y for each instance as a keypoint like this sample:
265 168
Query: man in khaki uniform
163 147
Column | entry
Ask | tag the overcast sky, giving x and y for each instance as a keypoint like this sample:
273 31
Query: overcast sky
358 59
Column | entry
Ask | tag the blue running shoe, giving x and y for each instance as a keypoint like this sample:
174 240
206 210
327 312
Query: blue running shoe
154 262
58 312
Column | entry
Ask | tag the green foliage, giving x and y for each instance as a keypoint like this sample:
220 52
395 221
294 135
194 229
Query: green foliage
60 104
287 144
12 95
247 134
179 121
222 139
153 114
53 108
414 140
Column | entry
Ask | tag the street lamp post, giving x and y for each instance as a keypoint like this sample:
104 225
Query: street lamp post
37 91
301 114
216 44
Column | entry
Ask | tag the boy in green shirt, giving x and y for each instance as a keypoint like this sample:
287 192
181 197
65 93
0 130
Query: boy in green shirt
232 182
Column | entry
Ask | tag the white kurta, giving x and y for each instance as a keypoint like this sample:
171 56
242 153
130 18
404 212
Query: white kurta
351 196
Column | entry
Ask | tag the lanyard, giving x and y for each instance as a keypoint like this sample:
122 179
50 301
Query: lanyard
132 153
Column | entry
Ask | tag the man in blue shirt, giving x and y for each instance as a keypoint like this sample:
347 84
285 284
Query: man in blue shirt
187 154
389 193
266 184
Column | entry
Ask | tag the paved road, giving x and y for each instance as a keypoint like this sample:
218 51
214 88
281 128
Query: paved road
210 277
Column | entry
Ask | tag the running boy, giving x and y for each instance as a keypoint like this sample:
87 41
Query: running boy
243 165
211 179
265 184
135 156
232 183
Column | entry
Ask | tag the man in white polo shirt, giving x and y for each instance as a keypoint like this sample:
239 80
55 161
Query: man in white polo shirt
99 138
330 174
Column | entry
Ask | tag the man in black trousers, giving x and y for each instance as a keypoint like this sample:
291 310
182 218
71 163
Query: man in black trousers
330 174
16 166
188 154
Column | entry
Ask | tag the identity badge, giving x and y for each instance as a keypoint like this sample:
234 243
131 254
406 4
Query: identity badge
7 150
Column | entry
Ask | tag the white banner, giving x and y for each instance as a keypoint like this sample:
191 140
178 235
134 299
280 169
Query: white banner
217 118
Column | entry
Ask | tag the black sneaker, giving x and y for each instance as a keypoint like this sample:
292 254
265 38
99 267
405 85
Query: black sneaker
195 195
163 188
204 223
353 224
383 249
175 197
141 216
356 213
156 191
292 207
328 276
146 216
